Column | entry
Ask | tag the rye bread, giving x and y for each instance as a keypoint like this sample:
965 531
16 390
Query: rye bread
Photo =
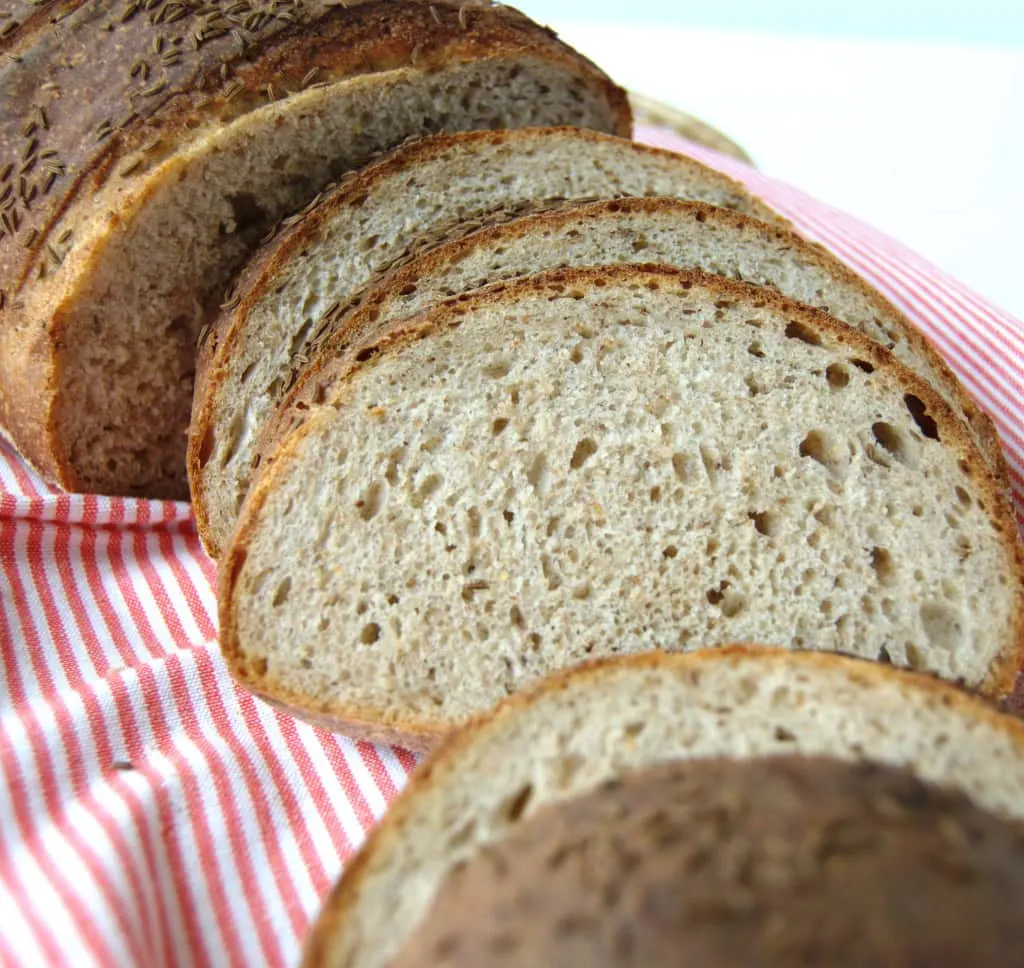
687 235
596 725
611 460
289 294
723 863
146 148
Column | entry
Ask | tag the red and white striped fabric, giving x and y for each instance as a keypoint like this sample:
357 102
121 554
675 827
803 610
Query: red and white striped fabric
151 813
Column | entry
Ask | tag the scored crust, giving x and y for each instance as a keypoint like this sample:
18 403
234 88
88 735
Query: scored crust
334 916
418 729
314 379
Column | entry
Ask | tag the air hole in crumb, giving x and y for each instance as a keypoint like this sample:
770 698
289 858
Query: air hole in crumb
655 493
821 448
755 349
733 602
497 369
755 385
577 354
783 735
430 485
581 592
515 617
943 626
391 472
863 365
883 656
585 449
682 464
670 552
892 440
535 641
914 657
370 633
765 522
508 515
919 412
883 565
801 332
633 730
537 472
206 447
499 425
837 375
281 593
369 504
963 497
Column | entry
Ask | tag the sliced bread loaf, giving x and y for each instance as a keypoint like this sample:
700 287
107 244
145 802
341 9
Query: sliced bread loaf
596 726
611 460
321 261
639 230
147 150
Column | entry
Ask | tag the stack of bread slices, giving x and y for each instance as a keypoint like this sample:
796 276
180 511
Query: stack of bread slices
501 403
502 395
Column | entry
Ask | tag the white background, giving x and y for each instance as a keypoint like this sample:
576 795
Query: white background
922 138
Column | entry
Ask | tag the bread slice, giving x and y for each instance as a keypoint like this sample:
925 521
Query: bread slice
775 861
611 460
633 230
321 261
148 150
577 731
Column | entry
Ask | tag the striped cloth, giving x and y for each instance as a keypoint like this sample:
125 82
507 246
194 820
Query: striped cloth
153 814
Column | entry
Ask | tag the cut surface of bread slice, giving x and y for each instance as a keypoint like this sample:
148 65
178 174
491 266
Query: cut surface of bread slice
642 230
320 262
775 861
611 460
577 731
146 215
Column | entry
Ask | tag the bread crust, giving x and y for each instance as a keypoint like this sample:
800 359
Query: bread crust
415 730
160 89
445 760
261 273
325 360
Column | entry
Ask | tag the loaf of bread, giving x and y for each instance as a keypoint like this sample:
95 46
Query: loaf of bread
744 769
636 230
291 291
146 147
608 460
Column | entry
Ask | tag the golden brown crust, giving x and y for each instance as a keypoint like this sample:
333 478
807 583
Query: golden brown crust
166 74
1001 678
325 361
445 759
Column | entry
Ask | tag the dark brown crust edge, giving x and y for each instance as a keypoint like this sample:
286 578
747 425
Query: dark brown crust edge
325 365
260 273
445 760
413 730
